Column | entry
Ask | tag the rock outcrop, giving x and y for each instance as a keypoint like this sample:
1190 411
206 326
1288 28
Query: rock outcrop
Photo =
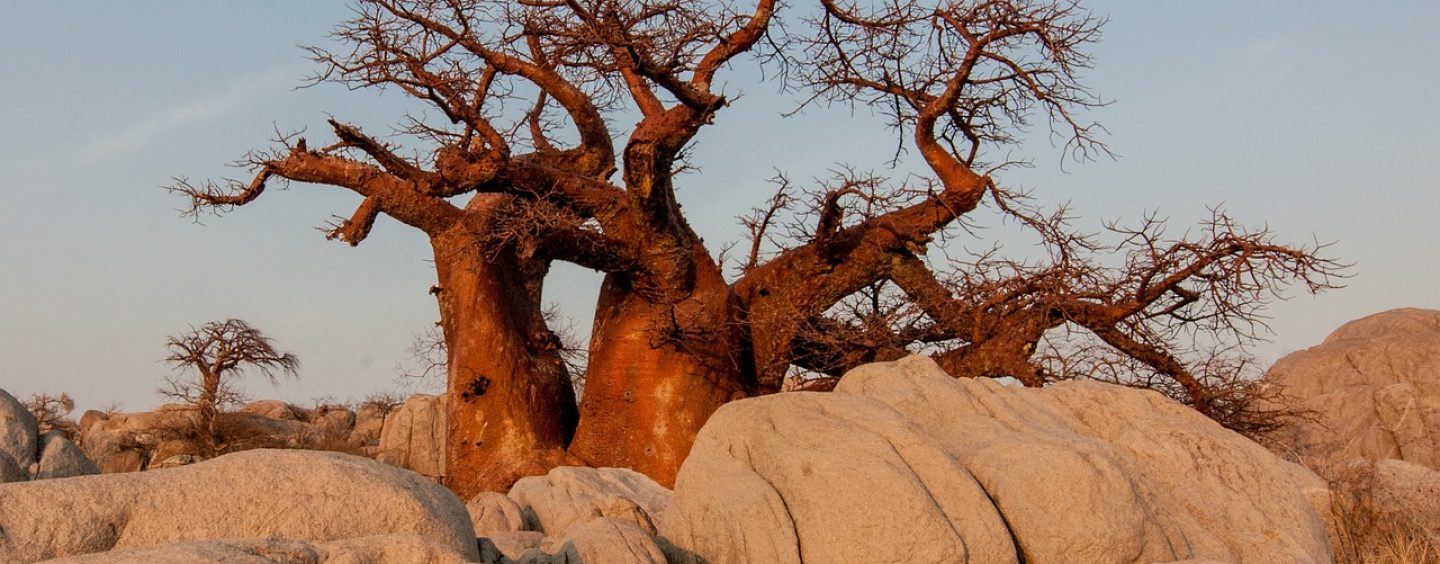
1372 388
379 549
26 454
600 540
905 464
129 442
10 472
414 436
1388 493
60 458
493 512
306 495
19 433
572 515
570 496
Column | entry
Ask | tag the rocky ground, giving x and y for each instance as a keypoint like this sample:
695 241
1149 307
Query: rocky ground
900 464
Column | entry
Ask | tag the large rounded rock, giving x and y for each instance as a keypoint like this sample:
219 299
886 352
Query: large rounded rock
60 458
274 409
10 472
905 464
494 512
380 549
414 436
369 423
125 442
1388 492
568 496
599 540
129 442
1372 389
317 496
19 433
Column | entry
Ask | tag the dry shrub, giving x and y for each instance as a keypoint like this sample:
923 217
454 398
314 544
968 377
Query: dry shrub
52 413
1370 531
233 432
382 402
330 439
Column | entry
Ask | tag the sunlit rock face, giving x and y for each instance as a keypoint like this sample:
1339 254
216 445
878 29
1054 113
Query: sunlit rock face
573 514
905 464
27 454
413 436
19 434
293 494
1371 390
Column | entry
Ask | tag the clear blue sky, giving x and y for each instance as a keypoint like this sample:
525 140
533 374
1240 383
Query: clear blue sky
1316 118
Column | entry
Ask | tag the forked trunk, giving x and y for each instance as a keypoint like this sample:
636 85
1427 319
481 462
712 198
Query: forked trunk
511 410
657 371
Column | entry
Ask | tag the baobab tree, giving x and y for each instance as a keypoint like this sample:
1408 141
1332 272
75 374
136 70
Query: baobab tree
528 93
218 352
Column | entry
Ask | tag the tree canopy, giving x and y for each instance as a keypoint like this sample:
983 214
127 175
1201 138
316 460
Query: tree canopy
566 122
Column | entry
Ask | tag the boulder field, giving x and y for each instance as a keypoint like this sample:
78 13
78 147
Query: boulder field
905 464
900 464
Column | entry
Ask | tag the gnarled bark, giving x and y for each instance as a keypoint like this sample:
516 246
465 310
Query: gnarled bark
657 371
511 410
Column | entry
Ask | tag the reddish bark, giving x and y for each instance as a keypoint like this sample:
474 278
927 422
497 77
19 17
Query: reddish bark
657 371
511 410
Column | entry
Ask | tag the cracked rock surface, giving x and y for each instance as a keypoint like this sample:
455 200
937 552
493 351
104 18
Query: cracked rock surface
1373 387
905 464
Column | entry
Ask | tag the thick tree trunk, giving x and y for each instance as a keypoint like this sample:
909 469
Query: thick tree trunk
511 410
207 412
657 371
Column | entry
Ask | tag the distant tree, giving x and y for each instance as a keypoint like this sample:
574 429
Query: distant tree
566 123
217 353
52 413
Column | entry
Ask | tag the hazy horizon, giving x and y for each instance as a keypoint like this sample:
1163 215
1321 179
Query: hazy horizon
1319 123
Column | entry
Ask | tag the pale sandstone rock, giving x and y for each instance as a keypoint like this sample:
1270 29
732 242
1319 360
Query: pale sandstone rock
414 436
177 460
19 434
124 442
380 549
236 551
815 477
394 549
1374 387
492 512
171 449
274 409
337 422
10 472
1400 492
369 422
601 540
1189 482
1410 490
317 496
509 547
569 496
92 417
904 463
60 458
129 442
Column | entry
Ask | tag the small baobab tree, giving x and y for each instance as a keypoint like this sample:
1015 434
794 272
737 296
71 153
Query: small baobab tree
218 352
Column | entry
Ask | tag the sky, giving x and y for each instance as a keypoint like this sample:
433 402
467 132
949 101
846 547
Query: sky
1316 119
